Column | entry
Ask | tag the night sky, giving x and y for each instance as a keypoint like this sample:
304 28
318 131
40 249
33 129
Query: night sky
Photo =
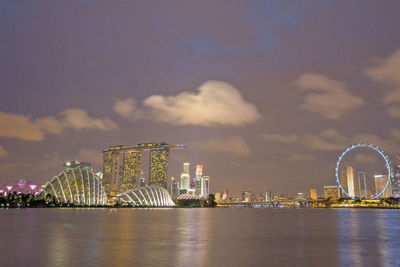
266 94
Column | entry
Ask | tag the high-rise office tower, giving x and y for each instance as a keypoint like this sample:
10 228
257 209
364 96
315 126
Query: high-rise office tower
198 187
268 195
246 196
186 168
158 167
313 194
206 187
380 184
174 191
199 171
395 181
348 181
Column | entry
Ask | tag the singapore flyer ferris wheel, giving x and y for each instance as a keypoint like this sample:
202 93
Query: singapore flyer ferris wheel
349 191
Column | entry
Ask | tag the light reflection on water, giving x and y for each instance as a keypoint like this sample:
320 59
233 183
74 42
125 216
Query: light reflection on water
199 237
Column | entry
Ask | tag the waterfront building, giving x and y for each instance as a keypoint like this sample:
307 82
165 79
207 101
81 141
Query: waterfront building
206 187
246 196
217 197
380 183
313 194
186 168
224 196
72 164
174 191
331 192
149 196
395 181
348 181
122 165
78 186
268 195
261 197
198 187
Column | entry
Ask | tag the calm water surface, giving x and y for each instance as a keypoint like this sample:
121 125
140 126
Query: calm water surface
199 237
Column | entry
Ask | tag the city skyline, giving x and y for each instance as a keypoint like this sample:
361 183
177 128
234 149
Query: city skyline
257 95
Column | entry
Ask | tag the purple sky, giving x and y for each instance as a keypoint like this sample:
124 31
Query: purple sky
266 94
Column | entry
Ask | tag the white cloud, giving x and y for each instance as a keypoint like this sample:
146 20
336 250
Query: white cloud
78 119
25 128
215 103
235 145
327 97
3 152
387 71
127 109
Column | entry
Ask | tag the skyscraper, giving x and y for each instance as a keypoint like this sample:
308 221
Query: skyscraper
174 191
186 168
206 188
246 196
395 181
313 194
380 184
348 181
268 195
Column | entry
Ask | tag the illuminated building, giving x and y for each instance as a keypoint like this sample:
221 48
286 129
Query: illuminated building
313 194
261 197
206 188
192 188
199 171
185 177
348 181
132 161
380 184
268 195
122 164
186 168
158 167
395 181
148 196
198 187
199 181
75 164
331 192
79 186
224 196
174 191
246 196
217 197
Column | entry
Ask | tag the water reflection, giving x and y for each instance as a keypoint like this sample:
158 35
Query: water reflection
200 237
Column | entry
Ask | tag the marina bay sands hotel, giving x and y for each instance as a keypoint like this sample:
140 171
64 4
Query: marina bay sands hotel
122 166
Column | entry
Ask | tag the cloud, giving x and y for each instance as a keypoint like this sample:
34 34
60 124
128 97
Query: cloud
215 103
235 145
90 155
78 119
387 72
25 128
127 109
3 152
329 98
281 138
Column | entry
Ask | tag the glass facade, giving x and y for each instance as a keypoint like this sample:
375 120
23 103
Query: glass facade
79 186
151 196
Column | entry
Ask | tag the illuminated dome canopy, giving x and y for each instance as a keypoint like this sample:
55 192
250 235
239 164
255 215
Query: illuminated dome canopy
151 196
79 186
188 197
